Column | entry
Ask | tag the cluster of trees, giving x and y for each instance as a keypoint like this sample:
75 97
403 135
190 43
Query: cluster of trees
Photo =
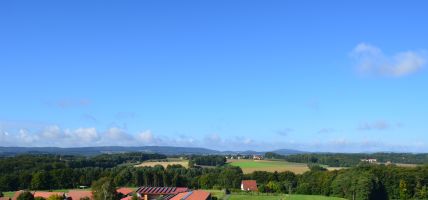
350 160
362 182
44 172
212 160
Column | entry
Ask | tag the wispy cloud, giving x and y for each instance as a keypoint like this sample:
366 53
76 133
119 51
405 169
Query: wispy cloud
284 132
372 61
326 130
377 125
125 115
89 117
69 103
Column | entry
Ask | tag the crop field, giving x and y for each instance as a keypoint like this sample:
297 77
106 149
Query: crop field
249 166
164 163
281 197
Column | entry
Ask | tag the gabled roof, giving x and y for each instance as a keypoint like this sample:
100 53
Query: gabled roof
249 185
125 190
46 194
78 194
161 190
192 195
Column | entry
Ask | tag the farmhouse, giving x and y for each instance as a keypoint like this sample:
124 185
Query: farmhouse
193 195
151 193
79 194
257 157
46 195
369 160
249 185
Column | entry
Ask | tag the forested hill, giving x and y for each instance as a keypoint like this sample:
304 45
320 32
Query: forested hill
166 150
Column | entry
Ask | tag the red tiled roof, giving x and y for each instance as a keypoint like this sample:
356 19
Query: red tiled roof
47 194
126 198
161 190
193 195
249 185
78 194
125 191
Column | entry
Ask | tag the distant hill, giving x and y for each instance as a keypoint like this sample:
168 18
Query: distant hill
288 152
167 150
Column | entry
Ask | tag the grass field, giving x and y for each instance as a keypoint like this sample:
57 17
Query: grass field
249 166
169 161
281 197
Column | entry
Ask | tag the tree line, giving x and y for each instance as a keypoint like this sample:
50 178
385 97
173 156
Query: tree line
53 171
350 160
211 160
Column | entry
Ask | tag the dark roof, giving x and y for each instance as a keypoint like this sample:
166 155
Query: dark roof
161 190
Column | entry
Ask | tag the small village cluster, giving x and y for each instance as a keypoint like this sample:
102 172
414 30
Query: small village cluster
239 157
142 193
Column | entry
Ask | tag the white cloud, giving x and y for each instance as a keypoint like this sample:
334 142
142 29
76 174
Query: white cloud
371 60
86 135
52 132
26 137
146 136
115 133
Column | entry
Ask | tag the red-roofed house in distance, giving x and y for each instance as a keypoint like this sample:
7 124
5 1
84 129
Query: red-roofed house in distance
46 195
78 194
249 185
193 195
152 193
125 191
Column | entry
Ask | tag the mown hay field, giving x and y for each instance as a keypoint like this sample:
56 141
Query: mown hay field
164 163
249 166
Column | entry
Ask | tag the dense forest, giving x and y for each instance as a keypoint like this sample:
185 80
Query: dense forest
207 160
361 182
54 171
350 160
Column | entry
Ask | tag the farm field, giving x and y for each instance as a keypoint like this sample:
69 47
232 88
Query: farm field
281 197
249 166
164 163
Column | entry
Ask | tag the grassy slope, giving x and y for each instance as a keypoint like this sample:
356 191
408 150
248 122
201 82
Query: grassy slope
281 197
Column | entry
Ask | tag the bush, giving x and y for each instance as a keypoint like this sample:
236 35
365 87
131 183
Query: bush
26 195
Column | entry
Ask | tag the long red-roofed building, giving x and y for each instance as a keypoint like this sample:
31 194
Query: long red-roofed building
193 195
78 194
149 193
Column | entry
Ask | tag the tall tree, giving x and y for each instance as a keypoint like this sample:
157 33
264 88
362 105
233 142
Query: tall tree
104 189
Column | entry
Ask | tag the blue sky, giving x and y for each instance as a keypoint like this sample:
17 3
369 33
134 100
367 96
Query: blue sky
229 75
